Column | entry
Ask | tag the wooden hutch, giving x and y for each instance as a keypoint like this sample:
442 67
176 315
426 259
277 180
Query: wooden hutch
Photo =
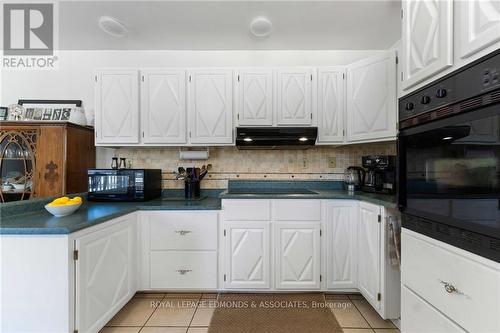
40 159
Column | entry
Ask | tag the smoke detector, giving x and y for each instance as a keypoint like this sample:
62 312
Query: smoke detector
112 26
261 27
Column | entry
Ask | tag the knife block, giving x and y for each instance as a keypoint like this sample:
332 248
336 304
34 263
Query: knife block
192 189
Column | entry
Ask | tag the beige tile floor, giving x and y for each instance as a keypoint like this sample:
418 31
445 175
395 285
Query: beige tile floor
191 313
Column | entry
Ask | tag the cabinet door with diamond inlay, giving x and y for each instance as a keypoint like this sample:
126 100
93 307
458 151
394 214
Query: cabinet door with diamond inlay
254 100
369 252
117 106
294 96
427 39
331 105
247 255
297 256
371 99
210 106
163 98
479 25
105 272
341 226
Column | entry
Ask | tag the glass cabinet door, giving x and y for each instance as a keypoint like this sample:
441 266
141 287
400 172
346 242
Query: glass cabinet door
17 164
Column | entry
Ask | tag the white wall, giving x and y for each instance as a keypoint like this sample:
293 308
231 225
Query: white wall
73 79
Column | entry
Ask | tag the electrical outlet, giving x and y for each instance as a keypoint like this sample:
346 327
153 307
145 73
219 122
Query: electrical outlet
304 163
332 162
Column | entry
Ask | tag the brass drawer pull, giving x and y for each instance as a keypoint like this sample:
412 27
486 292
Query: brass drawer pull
182 232
183 271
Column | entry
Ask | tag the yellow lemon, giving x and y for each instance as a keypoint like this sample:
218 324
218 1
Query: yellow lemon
55 204
61 200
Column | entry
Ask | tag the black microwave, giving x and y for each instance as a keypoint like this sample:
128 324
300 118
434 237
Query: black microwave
124 184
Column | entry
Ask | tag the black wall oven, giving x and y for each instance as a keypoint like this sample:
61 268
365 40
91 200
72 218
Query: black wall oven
448 158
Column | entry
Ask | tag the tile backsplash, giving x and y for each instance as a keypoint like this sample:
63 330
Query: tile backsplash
320 162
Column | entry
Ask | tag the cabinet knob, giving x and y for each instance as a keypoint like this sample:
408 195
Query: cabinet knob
183 271
182 232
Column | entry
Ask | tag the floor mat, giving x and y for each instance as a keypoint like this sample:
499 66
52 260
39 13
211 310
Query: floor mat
273 313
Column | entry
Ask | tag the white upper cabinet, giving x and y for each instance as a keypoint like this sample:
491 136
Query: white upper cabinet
331 105
369 253
427 39
210 106
179 107
247 255
163 108
298 255
371 102
254 97
117 106
294 96
478 24
341 226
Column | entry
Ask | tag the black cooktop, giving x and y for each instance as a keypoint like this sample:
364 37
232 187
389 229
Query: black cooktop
269 191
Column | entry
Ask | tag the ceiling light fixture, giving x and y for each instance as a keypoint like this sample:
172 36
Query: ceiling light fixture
112 26
261 27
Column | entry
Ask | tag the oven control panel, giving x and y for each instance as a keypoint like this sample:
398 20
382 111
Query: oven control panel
480 77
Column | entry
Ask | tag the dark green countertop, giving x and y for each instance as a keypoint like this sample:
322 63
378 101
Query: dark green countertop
385 200
321 190
30 218
41 222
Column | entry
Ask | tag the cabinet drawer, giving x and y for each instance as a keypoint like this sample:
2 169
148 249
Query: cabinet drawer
183 231
298 210
419 316
183 270
428 264
247 210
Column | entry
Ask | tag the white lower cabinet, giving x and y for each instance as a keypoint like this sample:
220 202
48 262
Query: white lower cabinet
280 253
105 273
183 269
307 244
178 250
247 255
298 255
419 316
341 237
452 281
369 253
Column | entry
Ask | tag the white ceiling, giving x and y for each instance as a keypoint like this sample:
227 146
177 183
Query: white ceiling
222 25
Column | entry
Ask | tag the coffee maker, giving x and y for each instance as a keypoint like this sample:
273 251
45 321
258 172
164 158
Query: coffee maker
380 174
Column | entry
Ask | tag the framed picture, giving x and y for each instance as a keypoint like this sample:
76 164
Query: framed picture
47 114
30 112
4 113
66 113
38 114
49 110
56 114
